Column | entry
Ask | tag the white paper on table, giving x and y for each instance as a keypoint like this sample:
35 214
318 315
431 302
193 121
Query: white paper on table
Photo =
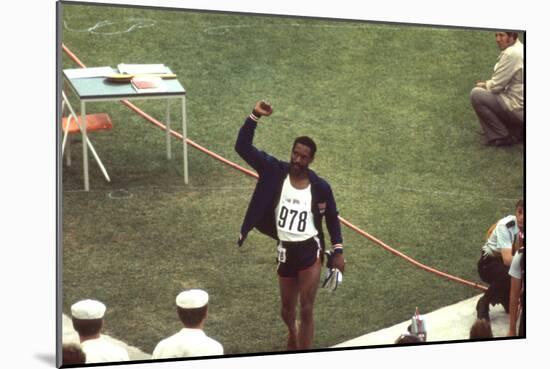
89 72
142 68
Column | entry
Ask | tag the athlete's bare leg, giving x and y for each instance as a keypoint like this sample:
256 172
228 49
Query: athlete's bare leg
289 299
308 282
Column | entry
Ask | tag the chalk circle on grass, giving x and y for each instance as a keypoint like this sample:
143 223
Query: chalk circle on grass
121 194
119 26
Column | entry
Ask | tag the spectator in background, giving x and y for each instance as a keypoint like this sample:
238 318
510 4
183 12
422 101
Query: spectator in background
408 338
517 291
87 318
73 354
495 260
192 309
481 329
498 102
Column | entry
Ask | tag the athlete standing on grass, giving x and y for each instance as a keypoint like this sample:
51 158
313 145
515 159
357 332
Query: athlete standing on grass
288 205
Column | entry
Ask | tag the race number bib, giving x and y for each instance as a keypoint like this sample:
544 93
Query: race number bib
292 220
281 254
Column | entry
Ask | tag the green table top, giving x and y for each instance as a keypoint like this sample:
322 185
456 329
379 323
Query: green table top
97 88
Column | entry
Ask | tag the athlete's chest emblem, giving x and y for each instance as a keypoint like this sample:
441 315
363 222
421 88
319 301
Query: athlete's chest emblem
291 201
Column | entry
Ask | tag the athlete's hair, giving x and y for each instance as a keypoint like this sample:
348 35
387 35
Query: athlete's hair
514 35
307 141
87 327
192 318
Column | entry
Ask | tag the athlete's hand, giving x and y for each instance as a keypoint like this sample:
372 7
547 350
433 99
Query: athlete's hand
335 269
338 262
263 108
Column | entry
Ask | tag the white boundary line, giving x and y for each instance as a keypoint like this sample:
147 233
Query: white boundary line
95 29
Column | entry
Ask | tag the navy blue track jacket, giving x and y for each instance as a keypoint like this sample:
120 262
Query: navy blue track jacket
272 173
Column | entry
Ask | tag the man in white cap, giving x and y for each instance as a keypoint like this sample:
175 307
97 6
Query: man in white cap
87 317
192 308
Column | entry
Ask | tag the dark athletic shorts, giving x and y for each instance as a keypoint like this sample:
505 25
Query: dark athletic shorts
297 256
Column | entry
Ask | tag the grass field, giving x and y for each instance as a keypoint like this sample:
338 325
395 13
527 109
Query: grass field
388 106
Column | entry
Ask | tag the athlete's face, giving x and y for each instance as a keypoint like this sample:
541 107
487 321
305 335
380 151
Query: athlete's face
300 158
519 218
503 40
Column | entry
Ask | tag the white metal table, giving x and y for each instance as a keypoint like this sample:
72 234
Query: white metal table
100 89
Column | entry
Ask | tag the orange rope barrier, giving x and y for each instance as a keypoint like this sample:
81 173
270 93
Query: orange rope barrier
255 175
408 258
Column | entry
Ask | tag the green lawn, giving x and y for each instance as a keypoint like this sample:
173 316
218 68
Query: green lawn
388 106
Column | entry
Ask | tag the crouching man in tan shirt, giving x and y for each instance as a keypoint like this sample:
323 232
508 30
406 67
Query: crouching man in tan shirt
498 102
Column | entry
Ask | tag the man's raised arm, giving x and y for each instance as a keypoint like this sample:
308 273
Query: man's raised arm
244 146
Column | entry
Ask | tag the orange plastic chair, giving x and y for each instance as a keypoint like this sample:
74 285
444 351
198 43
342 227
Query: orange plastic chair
94 123
71 125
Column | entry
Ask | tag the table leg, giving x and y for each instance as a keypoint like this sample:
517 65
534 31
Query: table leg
84 145
184 129
68 144
168 143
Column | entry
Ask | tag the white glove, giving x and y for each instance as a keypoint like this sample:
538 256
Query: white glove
333 279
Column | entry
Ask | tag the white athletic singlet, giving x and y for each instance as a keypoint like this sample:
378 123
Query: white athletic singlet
293 215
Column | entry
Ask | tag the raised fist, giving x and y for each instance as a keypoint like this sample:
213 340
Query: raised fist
263 108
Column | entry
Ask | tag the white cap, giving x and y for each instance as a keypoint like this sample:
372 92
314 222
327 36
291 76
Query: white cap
192 299
88 309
